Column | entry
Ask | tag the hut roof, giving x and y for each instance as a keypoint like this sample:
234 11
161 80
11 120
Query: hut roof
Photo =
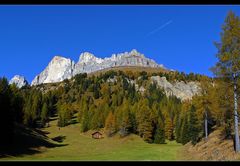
96 132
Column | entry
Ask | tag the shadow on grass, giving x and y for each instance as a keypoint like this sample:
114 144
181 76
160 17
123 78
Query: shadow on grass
59 138
42 133
73 121
53 118
75 116
27 142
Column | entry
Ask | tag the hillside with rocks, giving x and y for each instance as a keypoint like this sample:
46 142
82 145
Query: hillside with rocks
184 90
216 148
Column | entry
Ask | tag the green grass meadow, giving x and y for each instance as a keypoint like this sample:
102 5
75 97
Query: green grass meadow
79 146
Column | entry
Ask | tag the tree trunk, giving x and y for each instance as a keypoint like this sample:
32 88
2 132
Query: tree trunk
236 115
206 127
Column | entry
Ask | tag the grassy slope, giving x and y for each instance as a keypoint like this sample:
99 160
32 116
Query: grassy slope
82 147
215 148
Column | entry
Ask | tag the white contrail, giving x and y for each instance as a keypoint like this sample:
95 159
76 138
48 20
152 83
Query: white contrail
160 27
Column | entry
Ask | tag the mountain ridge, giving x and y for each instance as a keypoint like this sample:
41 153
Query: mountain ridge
60 68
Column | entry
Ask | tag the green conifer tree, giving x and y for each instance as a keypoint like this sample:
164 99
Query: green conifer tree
159 136
44 114
193 128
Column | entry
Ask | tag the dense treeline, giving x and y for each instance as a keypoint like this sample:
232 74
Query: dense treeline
114 105
7 116
26 106
112 101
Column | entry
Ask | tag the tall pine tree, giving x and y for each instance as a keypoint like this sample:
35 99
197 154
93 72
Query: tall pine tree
228 65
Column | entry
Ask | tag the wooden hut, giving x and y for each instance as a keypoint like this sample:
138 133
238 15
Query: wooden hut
97 135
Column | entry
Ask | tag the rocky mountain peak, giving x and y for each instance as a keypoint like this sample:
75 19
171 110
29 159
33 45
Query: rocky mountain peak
61 68
58 58
134 52
87 57
58 69
20 81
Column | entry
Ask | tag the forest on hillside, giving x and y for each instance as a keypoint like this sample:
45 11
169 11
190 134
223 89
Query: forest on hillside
117 106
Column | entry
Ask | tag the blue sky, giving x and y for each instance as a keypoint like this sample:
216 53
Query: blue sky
180 37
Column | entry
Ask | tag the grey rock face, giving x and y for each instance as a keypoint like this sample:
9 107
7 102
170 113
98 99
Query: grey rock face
182 90
61 68
58 69
20 81
89 63
112 80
